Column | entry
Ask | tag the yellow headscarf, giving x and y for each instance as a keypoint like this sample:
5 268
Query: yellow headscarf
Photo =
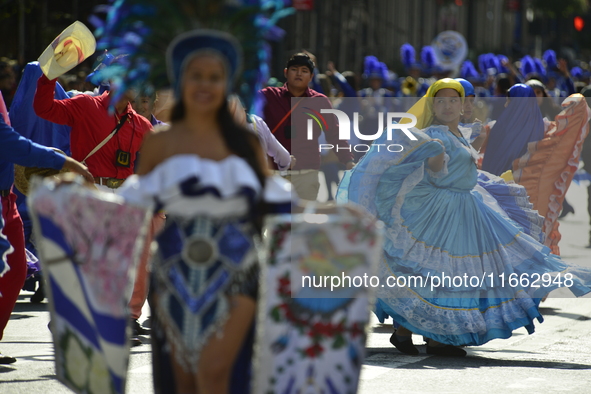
423 109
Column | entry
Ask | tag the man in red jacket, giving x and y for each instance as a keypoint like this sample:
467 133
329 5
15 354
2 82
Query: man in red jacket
91 124
289 126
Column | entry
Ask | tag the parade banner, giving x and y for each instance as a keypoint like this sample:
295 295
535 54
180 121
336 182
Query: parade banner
89 243
313 339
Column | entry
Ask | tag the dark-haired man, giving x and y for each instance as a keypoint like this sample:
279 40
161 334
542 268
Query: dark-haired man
290 127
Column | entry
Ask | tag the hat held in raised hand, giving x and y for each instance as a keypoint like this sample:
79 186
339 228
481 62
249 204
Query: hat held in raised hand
69 49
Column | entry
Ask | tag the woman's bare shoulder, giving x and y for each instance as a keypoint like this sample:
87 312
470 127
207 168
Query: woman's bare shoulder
160 135
156 147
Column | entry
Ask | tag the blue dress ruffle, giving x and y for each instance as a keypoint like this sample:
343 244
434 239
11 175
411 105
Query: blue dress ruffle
459 222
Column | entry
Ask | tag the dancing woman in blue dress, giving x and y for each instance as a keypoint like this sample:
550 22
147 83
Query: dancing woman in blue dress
444 219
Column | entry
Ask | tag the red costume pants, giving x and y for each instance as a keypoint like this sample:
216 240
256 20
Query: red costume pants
12 282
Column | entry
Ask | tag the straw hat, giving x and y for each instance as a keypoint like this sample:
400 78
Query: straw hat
68 50
22 175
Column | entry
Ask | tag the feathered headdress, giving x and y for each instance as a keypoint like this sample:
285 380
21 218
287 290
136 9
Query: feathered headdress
502 59
143 30
384 71
371 67
408 55
539 67
483 62
550 58
468 71
428 58
576 72
493 64
527 66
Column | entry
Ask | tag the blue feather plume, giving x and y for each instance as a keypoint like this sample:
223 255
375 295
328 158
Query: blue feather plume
384 71
428 57
502 59
550 58
483 62
468 71
493 63
576 72
539 67
407 55
370 65
527 65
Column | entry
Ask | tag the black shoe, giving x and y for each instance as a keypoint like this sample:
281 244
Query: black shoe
446 350
4 359
137 329
405 347
566 209
134 341
39 295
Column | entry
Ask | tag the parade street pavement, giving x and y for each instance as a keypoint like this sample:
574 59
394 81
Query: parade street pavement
556 358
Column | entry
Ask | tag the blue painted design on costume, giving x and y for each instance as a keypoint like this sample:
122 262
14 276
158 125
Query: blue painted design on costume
332 389
70 312
51 231
117 382
111 329
234 244
208 296
170 240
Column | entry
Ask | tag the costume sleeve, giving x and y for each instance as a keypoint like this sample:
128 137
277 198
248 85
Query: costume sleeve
332 137
46 107
15 148
316 83
569 86
345 87
273 147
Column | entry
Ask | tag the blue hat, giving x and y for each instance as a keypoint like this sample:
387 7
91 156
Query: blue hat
521 90
191 43
468 87
576 72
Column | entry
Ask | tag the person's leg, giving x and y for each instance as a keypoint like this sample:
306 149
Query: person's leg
12 282
140 287
566 209
401 338
331 175
325 169
217 357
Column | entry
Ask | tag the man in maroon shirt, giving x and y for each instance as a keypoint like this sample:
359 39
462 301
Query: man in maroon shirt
289 125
